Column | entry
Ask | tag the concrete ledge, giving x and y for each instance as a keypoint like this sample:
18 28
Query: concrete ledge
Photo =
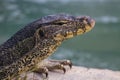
78 73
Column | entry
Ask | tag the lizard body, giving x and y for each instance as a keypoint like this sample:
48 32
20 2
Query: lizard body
37 41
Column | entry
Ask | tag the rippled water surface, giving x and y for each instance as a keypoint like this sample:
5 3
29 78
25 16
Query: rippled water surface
100 48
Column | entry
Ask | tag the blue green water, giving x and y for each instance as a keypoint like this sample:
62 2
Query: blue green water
100 48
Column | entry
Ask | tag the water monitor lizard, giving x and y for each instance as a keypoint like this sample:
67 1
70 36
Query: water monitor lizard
37 41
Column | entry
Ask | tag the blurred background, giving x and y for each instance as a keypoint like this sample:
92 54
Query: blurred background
100 48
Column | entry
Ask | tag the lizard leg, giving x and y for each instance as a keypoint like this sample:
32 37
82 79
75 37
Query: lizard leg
50 65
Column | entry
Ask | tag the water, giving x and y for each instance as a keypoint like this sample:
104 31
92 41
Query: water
100 48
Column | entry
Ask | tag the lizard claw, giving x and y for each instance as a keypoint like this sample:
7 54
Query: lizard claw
61 66
46 74
67 62
70 65
64 70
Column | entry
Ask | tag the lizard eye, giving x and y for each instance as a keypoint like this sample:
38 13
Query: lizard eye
60 22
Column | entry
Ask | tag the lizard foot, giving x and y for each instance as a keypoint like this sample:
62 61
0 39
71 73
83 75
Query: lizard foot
51 65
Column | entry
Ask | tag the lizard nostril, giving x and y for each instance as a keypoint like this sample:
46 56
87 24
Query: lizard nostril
91 22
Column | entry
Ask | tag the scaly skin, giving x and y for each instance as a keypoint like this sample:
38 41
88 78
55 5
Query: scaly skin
37 41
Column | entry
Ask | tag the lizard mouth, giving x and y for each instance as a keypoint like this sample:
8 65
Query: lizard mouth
89 24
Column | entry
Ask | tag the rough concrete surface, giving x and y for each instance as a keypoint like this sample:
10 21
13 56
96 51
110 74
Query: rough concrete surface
78 73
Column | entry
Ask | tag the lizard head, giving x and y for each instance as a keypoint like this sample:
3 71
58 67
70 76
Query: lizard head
65 26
